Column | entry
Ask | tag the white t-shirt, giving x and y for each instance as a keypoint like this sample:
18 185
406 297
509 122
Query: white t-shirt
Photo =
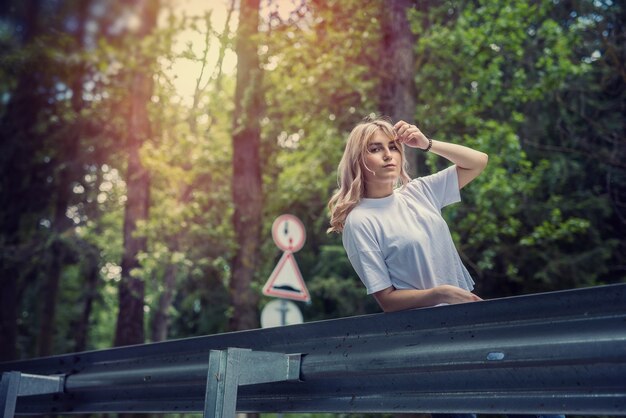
403 241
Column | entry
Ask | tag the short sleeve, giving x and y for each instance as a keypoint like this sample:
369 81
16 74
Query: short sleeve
442 188
366 257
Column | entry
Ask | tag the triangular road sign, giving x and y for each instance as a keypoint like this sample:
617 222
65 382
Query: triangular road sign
286 280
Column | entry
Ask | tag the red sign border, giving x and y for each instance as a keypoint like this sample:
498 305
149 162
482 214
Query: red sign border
268 290
292 218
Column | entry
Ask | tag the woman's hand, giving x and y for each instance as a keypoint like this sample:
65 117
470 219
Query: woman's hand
410 135
469 163
391 299
452 294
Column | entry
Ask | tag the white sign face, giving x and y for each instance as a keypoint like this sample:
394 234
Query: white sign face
280 312
288 233
286 280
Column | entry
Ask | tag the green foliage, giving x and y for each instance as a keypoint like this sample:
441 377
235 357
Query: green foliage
538 85
188 155
318 84
336 290
189 228
488 74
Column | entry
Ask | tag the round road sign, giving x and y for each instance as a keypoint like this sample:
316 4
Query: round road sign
288 233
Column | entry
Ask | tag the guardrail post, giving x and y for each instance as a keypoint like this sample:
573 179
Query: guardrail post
9 387
16 384
234 367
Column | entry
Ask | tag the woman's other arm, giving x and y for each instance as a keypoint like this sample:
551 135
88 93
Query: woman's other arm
469 162
392 299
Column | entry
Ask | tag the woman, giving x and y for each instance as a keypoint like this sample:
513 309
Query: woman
395 238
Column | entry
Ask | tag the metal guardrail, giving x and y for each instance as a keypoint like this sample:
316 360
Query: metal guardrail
559 352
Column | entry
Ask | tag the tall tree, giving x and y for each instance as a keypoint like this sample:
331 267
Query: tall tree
247 181
91 273
184 187
398 95
130 327
22 179
322 76
43 162
68 168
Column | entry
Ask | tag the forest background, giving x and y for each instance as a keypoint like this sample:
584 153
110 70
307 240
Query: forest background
147 148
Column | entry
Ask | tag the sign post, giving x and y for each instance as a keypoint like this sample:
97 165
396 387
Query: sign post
286 281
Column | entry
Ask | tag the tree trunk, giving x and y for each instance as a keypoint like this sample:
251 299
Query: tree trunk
247 182
49 293
91 271
67 174
160 320
18 181
398 92
129 329
8 319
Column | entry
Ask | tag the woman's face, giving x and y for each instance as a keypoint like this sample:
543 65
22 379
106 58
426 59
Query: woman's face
383 162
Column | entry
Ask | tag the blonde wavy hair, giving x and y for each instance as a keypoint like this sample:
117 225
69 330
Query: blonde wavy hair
350 171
